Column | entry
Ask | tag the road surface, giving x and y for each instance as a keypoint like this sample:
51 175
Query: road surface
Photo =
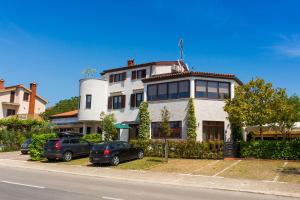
29 184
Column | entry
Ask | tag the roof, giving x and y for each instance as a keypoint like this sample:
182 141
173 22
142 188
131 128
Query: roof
72 113
157 63
14 87
190 74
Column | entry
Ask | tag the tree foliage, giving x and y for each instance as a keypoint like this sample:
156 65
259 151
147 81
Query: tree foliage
257 103
165 129
64 105
144 117
107 125
191 121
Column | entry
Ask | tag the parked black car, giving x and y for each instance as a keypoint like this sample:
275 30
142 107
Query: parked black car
66 148
25 146
114 152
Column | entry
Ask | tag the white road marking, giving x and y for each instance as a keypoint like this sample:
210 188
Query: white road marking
110 198
277 176
209 164
21 184
220 172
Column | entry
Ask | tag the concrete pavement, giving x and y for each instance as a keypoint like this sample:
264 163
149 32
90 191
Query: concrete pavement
28 184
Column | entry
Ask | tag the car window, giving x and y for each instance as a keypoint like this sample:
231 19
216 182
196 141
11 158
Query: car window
74 141
65 142
126 145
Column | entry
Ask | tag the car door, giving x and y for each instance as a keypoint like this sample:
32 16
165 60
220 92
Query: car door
123 152
84 147
75 146
127 151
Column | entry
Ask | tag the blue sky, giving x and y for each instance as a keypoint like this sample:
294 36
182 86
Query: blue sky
52 42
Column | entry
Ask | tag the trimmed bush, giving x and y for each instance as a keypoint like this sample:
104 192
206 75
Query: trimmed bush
93 138
11 139
182 149
271 149
36 148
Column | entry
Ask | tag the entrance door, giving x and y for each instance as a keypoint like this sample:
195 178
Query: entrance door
213 130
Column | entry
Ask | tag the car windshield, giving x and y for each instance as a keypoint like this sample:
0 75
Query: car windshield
28 141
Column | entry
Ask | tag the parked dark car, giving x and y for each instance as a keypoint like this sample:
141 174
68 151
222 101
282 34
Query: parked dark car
114 152
66 148
25 146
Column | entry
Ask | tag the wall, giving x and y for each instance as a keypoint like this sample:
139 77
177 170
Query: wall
4 97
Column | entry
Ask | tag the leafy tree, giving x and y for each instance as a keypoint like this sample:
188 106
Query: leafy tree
144 117
165 129
295 101
89 72
252 104
64 105
107 124
191 121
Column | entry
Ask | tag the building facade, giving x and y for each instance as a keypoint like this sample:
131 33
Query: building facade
20 101
162 84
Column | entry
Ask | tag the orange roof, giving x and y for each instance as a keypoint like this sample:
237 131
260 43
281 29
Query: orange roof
72 113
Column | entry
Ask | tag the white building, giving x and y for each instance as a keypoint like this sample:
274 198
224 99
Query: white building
20 101
166 83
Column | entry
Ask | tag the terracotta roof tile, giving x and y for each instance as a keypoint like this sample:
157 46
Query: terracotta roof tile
72 113
189 74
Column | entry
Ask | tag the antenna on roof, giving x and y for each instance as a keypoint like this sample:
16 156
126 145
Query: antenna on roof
180 44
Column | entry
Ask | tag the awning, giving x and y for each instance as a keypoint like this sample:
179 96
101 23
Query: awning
122 126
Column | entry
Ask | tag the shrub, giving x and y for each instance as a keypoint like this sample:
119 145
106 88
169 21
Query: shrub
182 149
93 138
271 149
11 139
36 148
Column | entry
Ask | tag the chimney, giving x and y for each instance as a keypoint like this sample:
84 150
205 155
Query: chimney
130 62
1 84
32 98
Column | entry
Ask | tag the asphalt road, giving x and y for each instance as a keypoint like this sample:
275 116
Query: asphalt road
28 184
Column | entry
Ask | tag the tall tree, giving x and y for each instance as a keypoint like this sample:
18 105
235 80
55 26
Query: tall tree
64 105
252 104
107 124
191 121
165 129
144 117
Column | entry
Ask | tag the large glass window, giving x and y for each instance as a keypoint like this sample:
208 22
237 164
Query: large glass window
171 90
117 102
175 126
212 89
162 92
213 130
88 101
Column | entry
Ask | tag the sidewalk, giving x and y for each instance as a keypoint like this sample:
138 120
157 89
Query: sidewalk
272 188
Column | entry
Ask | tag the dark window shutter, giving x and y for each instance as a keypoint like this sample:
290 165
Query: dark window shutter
143 73
123 100
132 101
111 78
133 75
123 76
109 103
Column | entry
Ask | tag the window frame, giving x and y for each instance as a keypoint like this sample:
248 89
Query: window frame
138 103
218 89
219 125
88 105
119 102
26 94
173 135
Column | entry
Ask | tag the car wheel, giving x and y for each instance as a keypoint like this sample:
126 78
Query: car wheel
140 155
115 161
67 156
24 152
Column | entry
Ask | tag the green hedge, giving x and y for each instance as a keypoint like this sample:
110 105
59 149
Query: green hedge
12 140
271 149
182 149
36 148
93 138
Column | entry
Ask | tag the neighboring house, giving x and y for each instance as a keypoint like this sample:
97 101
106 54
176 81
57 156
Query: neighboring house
20 101
167 83
67 122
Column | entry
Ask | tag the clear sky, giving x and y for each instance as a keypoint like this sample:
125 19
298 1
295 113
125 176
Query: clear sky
51 42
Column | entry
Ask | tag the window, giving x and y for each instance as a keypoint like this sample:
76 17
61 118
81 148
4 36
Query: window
25 96
81 141
10 112
88 101
138 74
213 130
74 141
116 102
12 97
88 130
171 90
212 89
136 99
152 91
175 126
162 92
117 77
